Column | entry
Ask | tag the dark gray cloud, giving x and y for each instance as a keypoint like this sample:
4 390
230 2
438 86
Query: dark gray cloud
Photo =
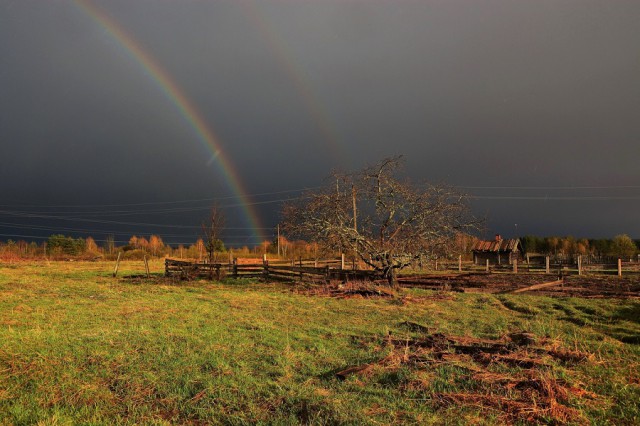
520 94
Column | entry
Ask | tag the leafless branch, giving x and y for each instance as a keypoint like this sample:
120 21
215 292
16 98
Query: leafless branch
397 222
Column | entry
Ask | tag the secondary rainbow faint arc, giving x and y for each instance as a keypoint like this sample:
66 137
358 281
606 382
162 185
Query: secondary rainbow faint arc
171 90
297 76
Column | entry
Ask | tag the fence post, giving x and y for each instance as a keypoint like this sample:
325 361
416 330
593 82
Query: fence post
265 267
579 265
547 266
115 271
459 263
327 274
487 267
146 265
619 267
515 266
342 261
235 268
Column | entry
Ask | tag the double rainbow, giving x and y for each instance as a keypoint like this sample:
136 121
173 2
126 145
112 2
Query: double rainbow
182 104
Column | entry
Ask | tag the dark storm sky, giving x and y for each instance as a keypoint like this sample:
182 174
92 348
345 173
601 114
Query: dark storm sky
533 107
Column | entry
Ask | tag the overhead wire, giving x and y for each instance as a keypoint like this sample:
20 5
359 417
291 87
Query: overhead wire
97 231
555 198
552 187
98 240
199 208
82 215
259 194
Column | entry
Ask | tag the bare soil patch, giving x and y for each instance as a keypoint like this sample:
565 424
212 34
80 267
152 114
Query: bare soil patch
367 290
348 290
575 286
519 377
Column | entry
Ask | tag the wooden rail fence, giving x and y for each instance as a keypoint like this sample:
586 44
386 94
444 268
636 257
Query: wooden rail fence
274 270
337 269
546 266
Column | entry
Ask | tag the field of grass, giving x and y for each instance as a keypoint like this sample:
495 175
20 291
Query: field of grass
78 346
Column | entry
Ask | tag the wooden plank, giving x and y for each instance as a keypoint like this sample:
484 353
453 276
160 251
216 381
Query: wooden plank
537 286
299 269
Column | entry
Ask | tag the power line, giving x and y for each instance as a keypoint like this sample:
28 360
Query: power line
198 208
260 194
552 187
82 215
552 198
40 237
93 232
146 212
79 219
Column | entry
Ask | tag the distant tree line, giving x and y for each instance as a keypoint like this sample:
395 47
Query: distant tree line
621 246
59 246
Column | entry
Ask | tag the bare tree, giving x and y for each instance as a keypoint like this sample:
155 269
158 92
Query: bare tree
110 244
200 248
212 230
385 222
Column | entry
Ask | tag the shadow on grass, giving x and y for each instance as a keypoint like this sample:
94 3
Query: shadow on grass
629 313
634 340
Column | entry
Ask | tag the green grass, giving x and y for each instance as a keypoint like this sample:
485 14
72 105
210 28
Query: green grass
78 346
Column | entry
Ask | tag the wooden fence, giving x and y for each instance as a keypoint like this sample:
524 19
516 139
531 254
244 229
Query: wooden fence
339 269
574 266
300 270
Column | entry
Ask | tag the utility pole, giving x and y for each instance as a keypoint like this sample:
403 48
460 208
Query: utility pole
353 196
338 204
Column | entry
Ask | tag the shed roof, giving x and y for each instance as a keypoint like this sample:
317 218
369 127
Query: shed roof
496 246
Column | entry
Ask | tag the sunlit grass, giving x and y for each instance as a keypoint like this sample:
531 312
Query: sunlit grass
78 346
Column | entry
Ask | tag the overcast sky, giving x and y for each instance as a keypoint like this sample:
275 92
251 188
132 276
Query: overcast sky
531 106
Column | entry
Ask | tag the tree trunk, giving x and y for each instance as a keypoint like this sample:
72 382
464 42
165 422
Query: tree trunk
392 278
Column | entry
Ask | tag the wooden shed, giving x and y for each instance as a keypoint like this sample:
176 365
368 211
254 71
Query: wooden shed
498 252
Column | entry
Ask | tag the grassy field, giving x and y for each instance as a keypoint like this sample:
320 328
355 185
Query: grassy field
80 347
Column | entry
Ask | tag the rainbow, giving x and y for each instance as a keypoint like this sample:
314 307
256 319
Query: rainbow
297 76
186 109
